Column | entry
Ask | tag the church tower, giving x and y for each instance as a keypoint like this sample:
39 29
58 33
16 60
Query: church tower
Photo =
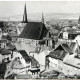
25 15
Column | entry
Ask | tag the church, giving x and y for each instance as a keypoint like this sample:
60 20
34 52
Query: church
34 36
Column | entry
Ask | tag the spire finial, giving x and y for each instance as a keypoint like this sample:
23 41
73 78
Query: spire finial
25 14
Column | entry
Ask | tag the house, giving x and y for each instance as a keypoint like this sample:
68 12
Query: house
32 34
54 59
20 63
23 56
58 54
13 36
63 59
6 54
68 35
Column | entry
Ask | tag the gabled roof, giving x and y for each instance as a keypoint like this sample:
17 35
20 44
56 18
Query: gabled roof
58 54
25 55
34 62
4 51
16 64
34 30
64 47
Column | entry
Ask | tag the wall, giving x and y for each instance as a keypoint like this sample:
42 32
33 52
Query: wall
28 45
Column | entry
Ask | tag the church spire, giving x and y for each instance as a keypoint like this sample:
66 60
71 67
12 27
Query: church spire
79 20
42 18
25 14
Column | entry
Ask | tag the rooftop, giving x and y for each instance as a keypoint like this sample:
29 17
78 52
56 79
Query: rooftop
34 30
64 47
25 55
4 51
58 54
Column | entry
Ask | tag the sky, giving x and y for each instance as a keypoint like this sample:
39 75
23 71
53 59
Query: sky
12 8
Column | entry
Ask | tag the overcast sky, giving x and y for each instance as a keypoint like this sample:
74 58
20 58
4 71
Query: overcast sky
12 8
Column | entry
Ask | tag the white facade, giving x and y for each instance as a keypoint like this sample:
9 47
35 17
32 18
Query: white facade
17 54
28 45
16 69
69 66
41 57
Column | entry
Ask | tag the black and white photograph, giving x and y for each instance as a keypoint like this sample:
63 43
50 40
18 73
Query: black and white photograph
39 40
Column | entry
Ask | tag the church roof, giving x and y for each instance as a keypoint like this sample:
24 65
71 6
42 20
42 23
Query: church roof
34 30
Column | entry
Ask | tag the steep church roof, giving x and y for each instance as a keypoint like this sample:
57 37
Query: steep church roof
34 30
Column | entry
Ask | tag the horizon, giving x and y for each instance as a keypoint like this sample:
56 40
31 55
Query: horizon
13 8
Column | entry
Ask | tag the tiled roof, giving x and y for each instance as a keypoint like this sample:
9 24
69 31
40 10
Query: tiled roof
4 51
64 47
34 30
25 55
58 54
34 62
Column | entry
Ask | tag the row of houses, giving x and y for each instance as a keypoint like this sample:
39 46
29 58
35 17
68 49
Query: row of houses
18 63
65 58
34 48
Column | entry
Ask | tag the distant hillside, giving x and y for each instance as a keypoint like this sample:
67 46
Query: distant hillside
38 16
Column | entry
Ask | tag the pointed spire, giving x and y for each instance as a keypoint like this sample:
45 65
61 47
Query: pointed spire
42 18
25 14
79 20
